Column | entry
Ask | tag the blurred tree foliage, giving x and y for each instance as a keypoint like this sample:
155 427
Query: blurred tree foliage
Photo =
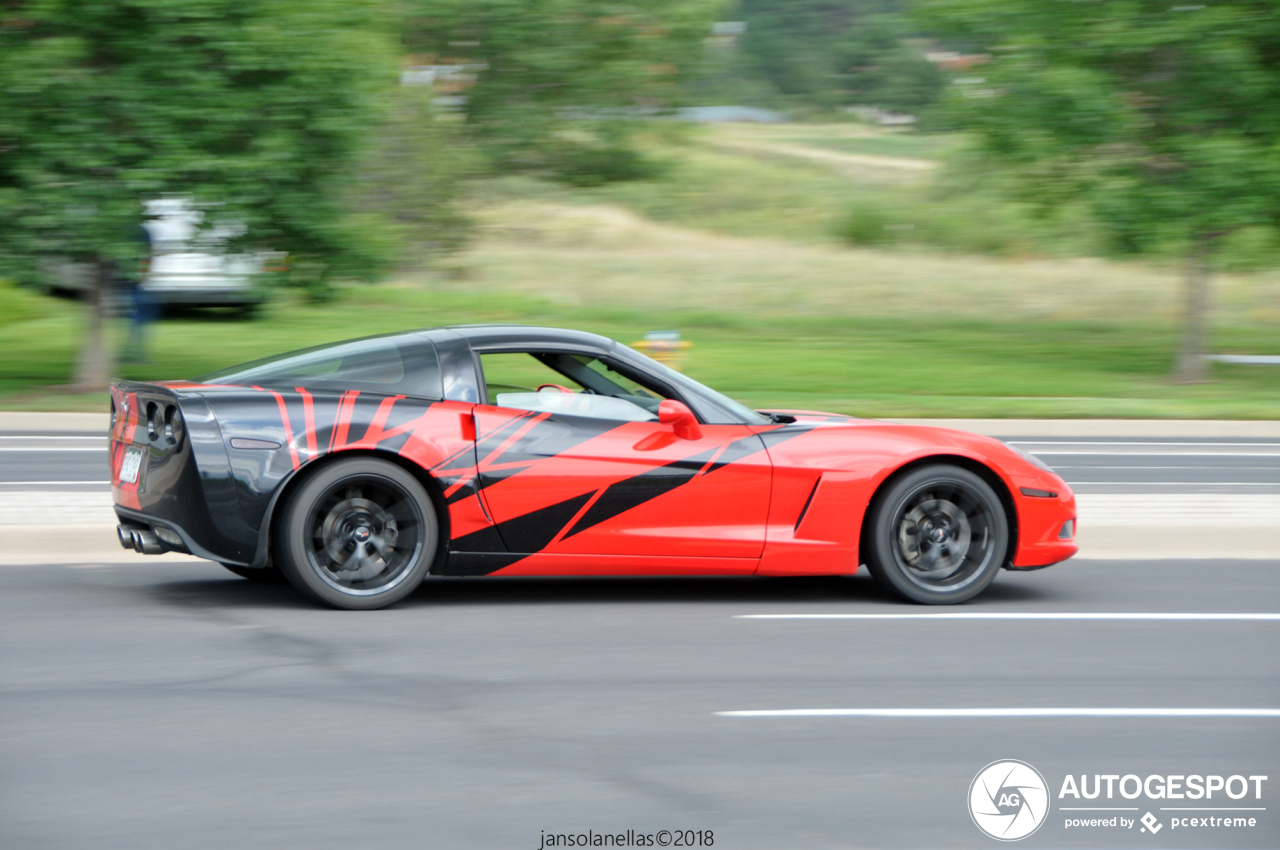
559 82
255 106
403 198
876 66
831 53
1164 119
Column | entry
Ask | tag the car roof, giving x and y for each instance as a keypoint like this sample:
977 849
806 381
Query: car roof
499 335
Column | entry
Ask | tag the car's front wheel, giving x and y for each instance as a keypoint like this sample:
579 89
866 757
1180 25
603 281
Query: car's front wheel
938 535
358 534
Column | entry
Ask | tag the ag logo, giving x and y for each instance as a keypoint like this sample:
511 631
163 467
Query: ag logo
1008 800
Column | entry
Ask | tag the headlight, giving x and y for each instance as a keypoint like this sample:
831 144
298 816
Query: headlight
1031 459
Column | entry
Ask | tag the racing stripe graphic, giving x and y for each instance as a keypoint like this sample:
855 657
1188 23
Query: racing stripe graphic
546 439
514 446
309 420
635 491
491 442
532 532
632 492
466 484
482 540
489 464
342 419
736 451
288 428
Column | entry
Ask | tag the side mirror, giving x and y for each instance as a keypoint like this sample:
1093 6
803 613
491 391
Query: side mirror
680 418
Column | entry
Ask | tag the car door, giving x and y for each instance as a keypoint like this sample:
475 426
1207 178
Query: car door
572 471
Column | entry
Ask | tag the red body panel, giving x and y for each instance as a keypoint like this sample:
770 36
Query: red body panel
625 488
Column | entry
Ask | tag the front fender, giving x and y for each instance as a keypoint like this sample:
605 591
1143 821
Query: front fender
829 470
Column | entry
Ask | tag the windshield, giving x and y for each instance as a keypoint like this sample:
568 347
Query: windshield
740 411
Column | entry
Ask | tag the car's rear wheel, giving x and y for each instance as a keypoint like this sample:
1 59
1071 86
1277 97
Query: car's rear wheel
262 575
358 534
938 535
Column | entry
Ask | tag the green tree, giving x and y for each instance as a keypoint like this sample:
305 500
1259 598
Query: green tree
556 81
834 52
1163 118
407 183
878 68
255 108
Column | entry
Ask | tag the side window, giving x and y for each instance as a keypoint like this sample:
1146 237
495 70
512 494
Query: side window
381 365
558 384
519 372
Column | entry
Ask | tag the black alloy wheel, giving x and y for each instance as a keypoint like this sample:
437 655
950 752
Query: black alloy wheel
938 535
358 534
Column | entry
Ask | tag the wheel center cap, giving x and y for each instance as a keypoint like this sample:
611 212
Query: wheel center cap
938 535
361 534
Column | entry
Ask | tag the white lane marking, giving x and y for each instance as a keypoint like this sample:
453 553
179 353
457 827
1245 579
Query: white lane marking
1022 615
58 449
1005 712
1109 467
1173 483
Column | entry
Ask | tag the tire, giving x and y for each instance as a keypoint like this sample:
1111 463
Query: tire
262 575
937 536
358 534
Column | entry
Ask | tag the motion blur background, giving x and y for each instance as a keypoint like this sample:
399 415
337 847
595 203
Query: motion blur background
875 207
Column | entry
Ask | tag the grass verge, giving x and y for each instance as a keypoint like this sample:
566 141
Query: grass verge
867 367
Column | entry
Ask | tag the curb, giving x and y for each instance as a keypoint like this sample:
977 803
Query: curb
55 423
93 545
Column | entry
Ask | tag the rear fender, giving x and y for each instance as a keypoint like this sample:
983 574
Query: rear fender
266 532
275 436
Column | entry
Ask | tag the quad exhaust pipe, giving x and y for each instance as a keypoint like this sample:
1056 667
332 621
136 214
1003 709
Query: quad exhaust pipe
139 538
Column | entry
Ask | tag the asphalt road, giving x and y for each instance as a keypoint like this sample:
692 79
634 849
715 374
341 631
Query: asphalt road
1111 465
173 705
170 704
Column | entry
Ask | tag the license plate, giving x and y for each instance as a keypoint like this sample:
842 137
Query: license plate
132 463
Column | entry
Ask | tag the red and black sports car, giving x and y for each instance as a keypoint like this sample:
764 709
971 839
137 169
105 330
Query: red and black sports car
357 469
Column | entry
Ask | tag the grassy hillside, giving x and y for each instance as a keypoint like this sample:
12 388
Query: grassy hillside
737 243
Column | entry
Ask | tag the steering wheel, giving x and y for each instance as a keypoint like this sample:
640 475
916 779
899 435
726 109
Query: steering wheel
556 387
